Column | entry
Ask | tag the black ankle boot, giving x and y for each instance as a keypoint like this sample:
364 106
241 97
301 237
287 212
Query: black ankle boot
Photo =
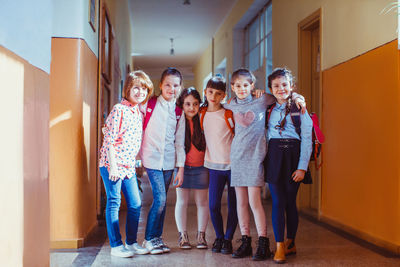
226 247
245 248
217 245
263 252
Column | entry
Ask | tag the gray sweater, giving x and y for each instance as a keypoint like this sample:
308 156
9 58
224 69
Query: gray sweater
249 145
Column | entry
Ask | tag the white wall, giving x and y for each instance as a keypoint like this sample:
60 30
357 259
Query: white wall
70 20
349 29
25 29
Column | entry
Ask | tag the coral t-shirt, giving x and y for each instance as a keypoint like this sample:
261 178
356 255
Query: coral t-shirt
194 157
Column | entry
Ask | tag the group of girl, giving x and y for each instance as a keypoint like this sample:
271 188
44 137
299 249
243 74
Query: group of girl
211 146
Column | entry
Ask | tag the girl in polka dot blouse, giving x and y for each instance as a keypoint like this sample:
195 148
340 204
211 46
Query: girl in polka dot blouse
121 143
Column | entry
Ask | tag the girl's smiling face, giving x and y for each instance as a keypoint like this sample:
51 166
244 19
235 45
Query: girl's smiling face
190 106
281 88
242 87
170 87
214 96
137 94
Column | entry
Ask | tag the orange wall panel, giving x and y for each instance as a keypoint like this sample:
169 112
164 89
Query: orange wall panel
361 122
29 234
36 167
73 109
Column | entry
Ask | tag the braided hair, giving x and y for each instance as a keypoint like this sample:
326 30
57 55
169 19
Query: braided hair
282 72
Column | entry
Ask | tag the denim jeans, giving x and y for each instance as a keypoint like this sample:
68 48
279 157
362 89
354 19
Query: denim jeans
159 181
131 192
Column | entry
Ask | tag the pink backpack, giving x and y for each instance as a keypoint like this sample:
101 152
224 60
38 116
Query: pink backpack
150 108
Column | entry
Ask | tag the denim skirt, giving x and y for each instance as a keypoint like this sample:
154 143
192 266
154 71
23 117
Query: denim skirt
195 177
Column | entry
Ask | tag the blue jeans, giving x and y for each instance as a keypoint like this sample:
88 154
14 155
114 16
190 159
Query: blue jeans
131 192
218 180
159 181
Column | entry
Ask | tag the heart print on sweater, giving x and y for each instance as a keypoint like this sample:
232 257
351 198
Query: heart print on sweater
245 119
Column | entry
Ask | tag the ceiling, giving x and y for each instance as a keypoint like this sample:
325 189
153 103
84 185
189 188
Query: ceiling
192 27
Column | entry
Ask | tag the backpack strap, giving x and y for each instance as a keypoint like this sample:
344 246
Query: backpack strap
268 114
178 113
230 122
202 113
295 116
149 110
228 115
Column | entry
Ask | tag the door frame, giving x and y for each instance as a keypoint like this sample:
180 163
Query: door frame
304 81
104 80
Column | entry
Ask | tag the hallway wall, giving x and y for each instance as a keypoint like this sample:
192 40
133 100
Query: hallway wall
223 45
73 114
359 58
70 20
120 19
73 124
24 233
24 182
349 28
368 154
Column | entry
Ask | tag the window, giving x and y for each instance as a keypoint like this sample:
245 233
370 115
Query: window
258 41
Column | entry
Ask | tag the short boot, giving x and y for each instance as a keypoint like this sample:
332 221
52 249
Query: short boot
280 253
290 247
245 248
184 241
263 251
217 245
226 247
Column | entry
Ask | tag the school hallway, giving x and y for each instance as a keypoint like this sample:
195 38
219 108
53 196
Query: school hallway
63 65
317 245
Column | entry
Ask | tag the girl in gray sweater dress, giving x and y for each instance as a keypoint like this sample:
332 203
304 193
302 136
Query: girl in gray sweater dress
248 151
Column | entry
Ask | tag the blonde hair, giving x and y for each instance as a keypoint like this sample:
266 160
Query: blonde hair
141 77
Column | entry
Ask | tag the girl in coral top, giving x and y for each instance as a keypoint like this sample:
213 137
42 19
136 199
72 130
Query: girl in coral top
121 143
193 144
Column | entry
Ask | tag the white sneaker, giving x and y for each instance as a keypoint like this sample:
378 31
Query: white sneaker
137 249
122 252
152 246
163 246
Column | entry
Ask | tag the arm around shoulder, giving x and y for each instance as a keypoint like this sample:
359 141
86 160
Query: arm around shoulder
180 142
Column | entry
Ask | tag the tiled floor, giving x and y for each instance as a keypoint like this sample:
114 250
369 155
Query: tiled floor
316 246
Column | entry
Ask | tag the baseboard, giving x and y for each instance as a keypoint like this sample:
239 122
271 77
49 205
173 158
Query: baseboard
73 243
383 247
67 243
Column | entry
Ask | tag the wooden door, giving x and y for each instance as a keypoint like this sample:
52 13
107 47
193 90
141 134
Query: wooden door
309 199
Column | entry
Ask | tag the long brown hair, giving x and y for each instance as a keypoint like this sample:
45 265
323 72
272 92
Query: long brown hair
197 137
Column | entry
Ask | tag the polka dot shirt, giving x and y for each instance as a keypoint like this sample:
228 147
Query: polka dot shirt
124 132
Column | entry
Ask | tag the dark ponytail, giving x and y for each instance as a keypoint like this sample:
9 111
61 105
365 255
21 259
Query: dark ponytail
217 82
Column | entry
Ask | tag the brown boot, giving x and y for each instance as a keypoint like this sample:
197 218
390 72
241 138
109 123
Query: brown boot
280 253
290 247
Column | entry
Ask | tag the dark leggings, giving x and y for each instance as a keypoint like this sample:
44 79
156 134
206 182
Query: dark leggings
218 180
284 201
